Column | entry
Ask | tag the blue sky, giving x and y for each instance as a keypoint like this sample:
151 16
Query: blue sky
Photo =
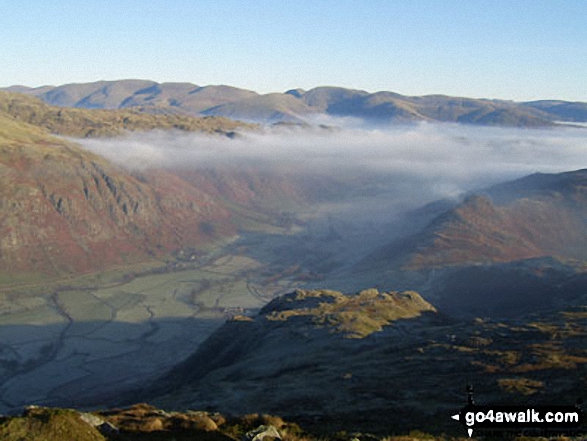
510 49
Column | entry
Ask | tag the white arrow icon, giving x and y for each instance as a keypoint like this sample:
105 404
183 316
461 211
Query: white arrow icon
457 417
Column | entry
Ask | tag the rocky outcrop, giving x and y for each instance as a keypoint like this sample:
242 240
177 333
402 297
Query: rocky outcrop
316 357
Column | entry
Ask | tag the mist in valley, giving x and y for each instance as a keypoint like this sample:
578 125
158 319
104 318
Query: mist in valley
359 181
374 174
356 183
421 162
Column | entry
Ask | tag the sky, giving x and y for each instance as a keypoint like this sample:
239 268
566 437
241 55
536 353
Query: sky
520 50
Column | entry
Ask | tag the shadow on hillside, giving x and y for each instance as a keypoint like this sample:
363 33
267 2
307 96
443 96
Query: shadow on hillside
508 290
91 364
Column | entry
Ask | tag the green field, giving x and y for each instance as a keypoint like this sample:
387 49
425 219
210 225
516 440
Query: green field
104 332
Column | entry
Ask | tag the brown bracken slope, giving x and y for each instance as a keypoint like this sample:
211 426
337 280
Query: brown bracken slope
537 216
65 210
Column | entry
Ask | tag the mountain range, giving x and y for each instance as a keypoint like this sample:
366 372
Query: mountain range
488 289
66 210
298 105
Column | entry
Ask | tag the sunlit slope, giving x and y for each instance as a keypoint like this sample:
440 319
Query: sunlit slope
148 95
49 425
94 123
272 107
65 210
393 107
143 422
131 93
296 104
541 215
564 110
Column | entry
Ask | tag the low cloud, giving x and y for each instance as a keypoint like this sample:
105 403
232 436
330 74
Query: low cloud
433 160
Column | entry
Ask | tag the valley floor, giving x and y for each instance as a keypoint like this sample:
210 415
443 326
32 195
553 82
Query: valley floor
81 346
86 343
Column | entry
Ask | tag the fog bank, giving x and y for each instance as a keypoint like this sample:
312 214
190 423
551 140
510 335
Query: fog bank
443 160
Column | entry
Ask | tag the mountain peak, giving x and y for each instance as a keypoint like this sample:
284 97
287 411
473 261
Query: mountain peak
298 93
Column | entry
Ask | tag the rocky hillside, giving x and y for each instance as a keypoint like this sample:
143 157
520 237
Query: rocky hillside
142 422
66 211
540 215
376 361
517 241
297 104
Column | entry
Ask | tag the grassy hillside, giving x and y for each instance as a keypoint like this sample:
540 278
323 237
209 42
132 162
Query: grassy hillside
563 110
48 425
102 94
149 95
271 108
94 123
353 316
207 97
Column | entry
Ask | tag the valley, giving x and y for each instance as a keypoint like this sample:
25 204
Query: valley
88 341
200 263
293 221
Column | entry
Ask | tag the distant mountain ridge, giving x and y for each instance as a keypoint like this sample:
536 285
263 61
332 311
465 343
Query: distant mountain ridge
297 104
